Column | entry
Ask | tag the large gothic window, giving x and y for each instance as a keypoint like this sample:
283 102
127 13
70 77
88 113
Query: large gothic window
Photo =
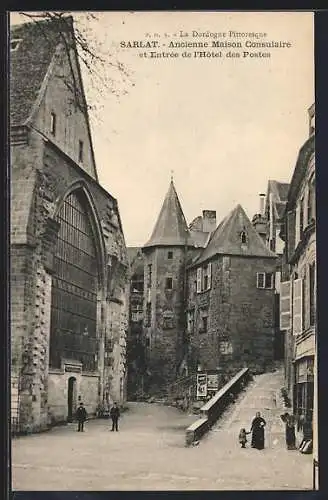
74 288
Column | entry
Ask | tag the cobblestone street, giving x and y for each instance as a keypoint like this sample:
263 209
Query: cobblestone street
149 452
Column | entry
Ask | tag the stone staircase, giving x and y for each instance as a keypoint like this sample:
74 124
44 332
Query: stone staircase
263 394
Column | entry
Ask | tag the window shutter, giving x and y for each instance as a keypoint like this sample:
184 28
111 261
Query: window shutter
285 303
268 280
297 224
277 281
297 306
209 275
199 280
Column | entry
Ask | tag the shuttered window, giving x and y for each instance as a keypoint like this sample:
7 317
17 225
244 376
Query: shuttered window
297 306
297 224
209 275
204 278
285 305
199 280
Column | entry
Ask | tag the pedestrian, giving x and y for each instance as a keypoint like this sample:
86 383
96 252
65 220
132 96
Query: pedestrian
306 445
81 416
243 437
290 437
115 415
257 430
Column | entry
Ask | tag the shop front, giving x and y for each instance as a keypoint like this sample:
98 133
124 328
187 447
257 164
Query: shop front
303 393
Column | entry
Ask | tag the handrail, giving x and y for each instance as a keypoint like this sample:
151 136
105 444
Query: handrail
211 411
224 390
179 381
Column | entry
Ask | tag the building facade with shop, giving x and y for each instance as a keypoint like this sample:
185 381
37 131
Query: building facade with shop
298 292
68 254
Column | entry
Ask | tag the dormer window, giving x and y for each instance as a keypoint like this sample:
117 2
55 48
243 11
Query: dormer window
53 123
80 151
243 237
14 44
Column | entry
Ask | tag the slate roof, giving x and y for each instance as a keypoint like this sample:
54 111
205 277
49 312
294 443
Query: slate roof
30 62
136 260
132 253
196 224
279 192
302 162
283 188
171 227
226 239
199 238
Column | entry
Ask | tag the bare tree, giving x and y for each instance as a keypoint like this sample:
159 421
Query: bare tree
104 73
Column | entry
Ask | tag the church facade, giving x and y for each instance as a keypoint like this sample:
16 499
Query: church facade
68 254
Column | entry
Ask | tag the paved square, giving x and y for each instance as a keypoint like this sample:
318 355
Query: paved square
149 453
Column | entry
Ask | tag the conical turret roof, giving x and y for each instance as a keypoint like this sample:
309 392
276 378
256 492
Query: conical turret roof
227 238
171 228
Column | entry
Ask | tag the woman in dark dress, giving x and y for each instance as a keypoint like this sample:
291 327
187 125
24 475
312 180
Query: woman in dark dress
290 436
257 430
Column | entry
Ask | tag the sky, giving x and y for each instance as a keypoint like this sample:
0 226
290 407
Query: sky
221 126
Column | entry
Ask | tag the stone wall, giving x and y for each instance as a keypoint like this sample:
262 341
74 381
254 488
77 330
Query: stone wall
165 333
87 386
71 117
34 231
240 316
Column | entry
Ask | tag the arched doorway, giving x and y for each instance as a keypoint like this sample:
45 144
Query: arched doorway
71 398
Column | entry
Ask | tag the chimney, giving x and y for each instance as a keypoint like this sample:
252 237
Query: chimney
209 221
262 203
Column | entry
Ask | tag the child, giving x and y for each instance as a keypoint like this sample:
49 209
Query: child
242 437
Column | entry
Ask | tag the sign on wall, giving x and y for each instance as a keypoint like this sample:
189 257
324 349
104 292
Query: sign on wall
212 382
201 385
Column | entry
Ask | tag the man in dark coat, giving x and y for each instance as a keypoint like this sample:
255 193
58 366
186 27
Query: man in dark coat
115 415
81 416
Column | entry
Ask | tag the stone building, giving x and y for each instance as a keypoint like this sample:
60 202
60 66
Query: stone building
230 302
298 288
268 223
136 345
208 295
68 254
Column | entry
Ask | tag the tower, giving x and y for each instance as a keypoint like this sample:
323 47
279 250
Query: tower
165 256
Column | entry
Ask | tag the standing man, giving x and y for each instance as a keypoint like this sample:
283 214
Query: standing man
115 415
81 416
